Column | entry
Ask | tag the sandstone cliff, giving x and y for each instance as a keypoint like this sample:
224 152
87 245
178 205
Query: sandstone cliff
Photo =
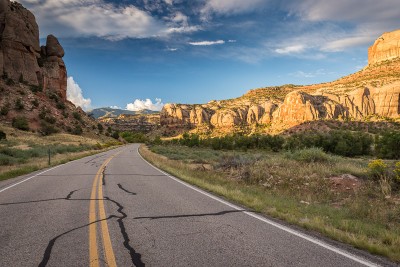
372 92
34 78
386 47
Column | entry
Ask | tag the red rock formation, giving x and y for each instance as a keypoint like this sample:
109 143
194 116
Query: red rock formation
21 54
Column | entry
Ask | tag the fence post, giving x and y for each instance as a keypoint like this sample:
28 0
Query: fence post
48 151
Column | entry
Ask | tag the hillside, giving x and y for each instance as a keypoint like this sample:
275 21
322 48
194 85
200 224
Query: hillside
114 113
370 94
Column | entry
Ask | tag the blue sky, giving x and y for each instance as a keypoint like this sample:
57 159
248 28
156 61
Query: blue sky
120 53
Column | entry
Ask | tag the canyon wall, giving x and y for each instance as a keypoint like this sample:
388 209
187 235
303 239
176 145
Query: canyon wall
374 91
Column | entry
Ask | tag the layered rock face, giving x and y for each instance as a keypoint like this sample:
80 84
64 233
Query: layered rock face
374 91
386 47
21 55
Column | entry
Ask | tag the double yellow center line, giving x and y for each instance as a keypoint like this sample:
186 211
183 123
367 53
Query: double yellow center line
97 197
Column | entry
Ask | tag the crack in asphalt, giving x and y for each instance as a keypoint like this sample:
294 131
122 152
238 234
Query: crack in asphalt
123 189
50 245
189 215
135 256
96 157
103 175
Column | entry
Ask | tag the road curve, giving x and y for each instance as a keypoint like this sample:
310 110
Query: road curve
115 209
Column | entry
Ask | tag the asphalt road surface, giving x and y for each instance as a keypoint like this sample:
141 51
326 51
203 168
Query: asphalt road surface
115 209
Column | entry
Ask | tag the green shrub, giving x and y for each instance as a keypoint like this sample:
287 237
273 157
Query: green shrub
397 172
388 145
115 135
19 105
50 119
77 130
343 143
36 88
100 127
3 135
10 82
377 168
190 140
77 116
35 102
60 105
5 109
53 96
47 129
131 137
20 123
309 155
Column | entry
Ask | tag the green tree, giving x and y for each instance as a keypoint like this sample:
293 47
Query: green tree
20 123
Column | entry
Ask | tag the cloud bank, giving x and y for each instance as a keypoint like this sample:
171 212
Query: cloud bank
139 104
77 18
74 94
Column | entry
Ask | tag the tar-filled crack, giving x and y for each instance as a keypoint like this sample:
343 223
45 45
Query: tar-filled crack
96 157
135 257
123 189
103 175
190 215
50 245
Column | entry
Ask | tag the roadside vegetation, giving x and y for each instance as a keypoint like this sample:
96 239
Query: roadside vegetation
22 152
344 185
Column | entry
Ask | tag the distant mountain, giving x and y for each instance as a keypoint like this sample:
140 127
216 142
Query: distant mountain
113 113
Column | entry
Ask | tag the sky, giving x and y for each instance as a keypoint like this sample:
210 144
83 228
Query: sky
136 54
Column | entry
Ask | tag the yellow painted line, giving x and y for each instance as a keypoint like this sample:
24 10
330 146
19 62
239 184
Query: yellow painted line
93 248
93 253
108 250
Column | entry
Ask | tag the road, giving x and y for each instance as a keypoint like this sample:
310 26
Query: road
115 209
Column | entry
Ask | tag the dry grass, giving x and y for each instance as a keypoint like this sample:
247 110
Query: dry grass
298 191
24 152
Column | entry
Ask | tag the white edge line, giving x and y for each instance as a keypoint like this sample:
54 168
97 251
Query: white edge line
38 174
277 225
27 179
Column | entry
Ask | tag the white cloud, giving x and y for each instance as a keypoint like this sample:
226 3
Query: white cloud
231 6
115 107
232 41
71 18
139 104
369 19
290 49
207 43
345 10
182 29
342 44
74 94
